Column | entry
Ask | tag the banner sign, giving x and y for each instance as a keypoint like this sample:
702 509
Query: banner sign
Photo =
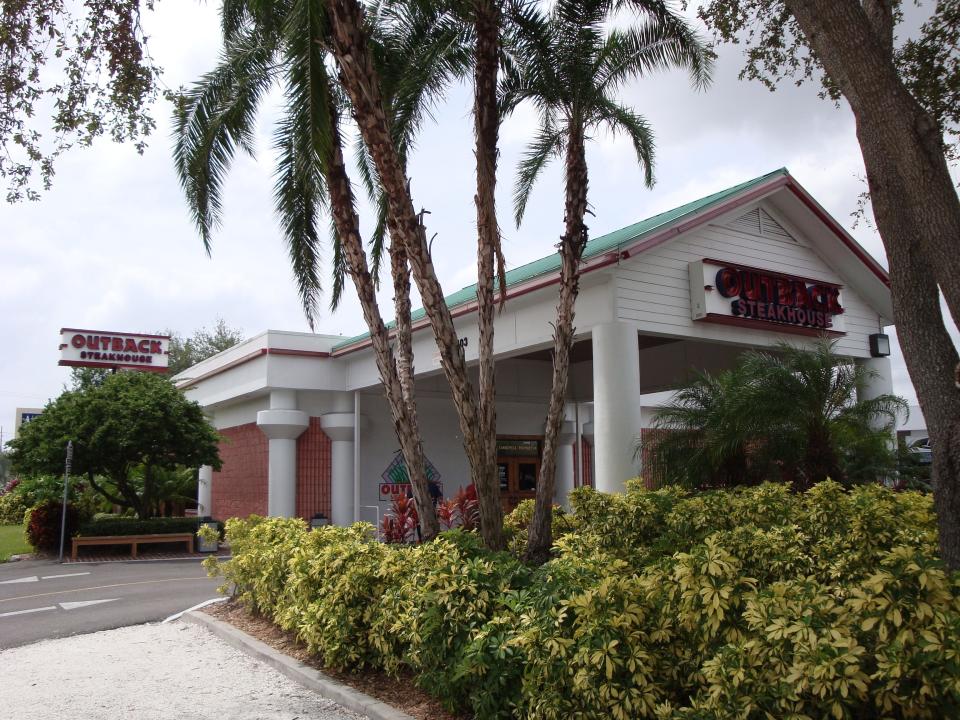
736 294
102 349
395 482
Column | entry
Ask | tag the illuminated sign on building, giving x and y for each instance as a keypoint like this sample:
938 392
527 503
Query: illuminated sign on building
97 348
736 294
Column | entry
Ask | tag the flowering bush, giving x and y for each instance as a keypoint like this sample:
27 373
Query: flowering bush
43 525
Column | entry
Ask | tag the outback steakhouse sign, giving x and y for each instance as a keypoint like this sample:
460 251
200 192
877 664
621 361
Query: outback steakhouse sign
722 292
98 348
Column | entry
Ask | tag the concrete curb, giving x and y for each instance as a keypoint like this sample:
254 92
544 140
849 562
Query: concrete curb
305 675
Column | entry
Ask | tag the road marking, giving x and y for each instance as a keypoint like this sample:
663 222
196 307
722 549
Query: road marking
104 587
50 577
24 612
84 603
211 601
32 578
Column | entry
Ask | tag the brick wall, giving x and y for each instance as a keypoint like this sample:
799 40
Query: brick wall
313 471
586 477
240 488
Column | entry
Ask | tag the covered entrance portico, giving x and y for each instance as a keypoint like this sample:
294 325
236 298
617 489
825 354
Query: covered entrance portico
690 289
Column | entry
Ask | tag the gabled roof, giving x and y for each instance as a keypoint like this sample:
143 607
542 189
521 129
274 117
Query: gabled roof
632 235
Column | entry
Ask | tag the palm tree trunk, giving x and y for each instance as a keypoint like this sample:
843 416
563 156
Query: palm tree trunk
540 533
486 124
360 79
416 465
403 412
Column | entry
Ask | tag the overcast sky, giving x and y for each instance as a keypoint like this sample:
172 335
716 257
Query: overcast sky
111 246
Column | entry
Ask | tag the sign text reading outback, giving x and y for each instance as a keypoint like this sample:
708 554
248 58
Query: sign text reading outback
721 292
97 348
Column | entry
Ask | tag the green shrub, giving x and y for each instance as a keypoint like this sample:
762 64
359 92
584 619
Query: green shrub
751 603
517 523
13 507
133 526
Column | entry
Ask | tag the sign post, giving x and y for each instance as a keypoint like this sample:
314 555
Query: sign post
66 489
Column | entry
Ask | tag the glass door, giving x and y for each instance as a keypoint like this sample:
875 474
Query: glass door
518 465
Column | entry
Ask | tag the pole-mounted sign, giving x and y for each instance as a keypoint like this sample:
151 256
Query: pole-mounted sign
103 349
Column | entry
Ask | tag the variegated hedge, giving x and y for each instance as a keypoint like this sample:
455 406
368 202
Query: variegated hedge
754 603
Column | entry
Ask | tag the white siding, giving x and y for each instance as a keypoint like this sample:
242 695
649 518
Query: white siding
653 288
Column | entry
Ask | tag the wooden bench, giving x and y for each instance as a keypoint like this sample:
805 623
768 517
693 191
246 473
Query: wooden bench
132 540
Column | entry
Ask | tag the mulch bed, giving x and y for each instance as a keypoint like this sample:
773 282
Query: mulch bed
400 692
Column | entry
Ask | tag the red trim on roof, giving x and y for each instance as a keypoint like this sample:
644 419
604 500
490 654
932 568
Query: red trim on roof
114 332
298 353
722 209
253 356
838 230
658 238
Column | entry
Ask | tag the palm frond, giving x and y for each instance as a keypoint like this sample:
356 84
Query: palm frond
215 117
303 145
549 143
621 119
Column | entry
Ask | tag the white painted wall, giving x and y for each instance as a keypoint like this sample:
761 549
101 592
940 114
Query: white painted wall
653 288
523 326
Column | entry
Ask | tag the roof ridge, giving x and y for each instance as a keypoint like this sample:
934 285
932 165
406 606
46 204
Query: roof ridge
596 246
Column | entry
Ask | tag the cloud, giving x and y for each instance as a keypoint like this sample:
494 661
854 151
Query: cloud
112 245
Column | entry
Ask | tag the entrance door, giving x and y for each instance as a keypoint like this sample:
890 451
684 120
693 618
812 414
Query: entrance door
518 463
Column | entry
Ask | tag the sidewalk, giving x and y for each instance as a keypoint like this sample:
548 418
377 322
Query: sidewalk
169 671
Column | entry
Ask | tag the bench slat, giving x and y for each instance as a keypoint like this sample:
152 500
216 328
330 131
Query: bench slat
132 540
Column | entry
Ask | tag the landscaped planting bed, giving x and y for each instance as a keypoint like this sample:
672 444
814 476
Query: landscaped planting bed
747 603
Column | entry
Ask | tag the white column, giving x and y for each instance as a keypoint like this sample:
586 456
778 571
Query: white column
616 404
283 424
339 427
204 491
879 383
563 484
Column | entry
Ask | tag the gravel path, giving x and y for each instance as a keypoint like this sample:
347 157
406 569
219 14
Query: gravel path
150 672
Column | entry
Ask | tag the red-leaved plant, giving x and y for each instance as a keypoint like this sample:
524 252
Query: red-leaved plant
400 522
461 510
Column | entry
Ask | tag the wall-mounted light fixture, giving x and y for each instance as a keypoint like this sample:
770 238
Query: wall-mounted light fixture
879 345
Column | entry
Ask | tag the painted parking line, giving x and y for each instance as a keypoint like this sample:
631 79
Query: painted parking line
32 578
85 603
63 606
51 577
32 610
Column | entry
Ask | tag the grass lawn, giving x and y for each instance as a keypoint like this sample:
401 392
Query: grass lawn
12 542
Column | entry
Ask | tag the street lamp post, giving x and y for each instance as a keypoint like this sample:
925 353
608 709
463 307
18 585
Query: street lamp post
66 488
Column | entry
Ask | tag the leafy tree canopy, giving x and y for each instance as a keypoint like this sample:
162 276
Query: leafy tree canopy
104 85
133 423
928 60
204 343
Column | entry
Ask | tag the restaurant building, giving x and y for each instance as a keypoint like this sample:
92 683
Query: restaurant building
306 428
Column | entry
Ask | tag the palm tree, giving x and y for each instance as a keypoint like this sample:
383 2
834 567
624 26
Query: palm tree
361 79
287 42
821 426
705 435
570 67
793 414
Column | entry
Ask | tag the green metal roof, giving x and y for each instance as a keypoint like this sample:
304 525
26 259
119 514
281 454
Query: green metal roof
597 246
